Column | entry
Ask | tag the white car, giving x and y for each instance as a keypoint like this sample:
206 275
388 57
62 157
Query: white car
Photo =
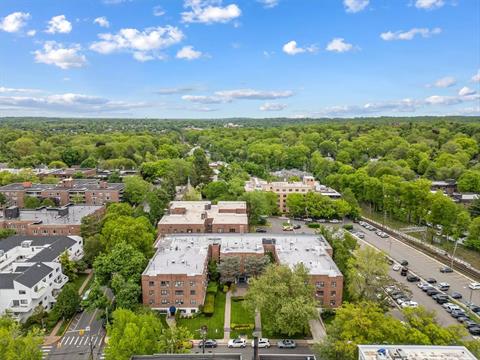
396 267
237 343
262 343
409 304
474 286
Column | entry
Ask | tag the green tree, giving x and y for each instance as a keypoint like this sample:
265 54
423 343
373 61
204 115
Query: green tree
201 173
48 202
69 267
31 202
296 205
3 200
136 189
127 292
469 181
67 303
255 266
229 269
282 296
57 164
473 240
260 204
19 345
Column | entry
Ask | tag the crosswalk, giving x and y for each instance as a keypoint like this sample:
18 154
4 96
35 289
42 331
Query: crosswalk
80 340
46 350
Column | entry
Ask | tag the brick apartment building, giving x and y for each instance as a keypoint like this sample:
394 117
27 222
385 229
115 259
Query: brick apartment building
48 221
203 217
284 188
84 191
177 273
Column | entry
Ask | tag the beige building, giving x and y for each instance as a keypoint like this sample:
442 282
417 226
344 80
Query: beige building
177 273
203 217
284 188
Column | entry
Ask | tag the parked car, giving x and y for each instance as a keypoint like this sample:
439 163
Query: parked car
360 235
262 343
462 319
286 344
335 221
397 295
209 343
443 286
404 263
456 295
431 281
296 227
449 307
237 343
474 285
396 267
404 271
413 278
432 291
470 323
445 269
441 300
474 330
457 313
260 230
409 304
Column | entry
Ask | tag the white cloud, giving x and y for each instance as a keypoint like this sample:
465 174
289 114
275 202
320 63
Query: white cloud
429 4
339 45
410 34
209 12
143 44
7 90
56 54
188 53
158 11
445 82
291 48
31 32
102 21
59 24
272 107
269 3
354 6
226 96
442 100
205 99
466 91
14 22
476 77
174 90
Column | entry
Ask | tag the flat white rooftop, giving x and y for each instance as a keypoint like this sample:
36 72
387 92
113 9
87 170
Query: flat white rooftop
414 352
51 216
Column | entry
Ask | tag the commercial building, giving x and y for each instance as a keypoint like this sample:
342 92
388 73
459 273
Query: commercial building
83 191
177 273
413 352
48 221
30 272
284 188
203 217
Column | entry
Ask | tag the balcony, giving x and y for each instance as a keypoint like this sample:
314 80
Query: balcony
59 282
20 308
40 291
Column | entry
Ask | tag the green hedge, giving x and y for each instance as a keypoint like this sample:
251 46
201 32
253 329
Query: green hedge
209 305
348 227
238 298
242 326
313 226
212 288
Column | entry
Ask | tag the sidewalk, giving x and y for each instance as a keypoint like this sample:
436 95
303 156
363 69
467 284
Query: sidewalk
317 328
228 315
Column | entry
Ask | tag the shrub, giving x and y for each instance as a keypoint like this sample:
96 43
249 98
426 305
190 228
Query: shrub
212 288
209 305
238 298
225 288
242 326
348 227
313 226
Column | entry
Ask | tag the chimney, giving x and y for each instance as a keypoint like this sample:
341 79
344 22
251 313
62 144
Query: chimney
27 184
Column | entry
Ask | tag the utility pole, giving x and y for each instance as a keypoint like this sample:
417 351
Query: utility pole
255 334
453 255
203 331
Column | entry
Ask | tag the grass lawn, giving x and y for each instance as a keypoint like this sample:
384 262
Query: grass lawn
215 322
240 315
276 335
77 283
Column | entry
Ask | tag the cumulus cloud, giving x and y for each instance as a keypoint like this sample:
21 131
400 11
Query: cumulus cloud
339 45
54 53
209 12
444 82
31 32
102 21
466 91
429 4
205 99
272 107
292 48
8 90
269 3
174 90
59 24
158 11
14 22
144 45
410 34
354 6
188 53
476 77
226 96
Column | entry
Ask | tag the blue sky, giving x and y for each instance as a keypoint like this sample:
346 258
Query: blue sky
231 58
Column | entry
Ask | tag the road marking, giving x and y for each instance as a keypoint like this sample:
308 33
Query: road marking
71 340
64 340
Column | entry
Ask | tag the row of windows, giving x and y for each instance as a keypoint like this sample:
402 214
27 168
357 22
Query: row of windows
177 302
176 283
321 293
321 284
166 292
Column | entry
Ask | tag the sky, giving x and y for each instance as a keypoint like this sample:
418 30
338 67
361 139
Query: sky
239 58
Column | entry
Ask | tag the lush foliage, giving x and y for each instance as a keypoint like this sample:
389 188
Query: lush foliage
15 345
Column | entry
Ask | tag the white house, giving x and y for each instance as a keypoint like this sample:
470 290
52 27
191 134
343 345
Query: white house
30 272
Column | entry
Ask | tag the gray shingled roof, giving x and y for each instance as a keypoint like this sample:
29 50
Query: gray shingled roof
58 244
34 274
6 280
54 250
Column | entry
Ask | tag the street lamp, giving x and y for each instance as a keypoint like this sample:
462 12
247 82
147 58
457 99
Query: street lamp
256 335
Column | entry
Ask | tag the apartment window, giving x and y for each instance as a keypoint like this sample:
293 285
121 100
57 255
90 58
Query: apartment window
334 284
22 292
193 302
333 293
165 283
193 292
179 301
232 230
57 269
24 302
151 301
151 292
50 275
179 283
332 302
164 301
164 292
16 303
151 283
178 292
320 293
320 284
192 283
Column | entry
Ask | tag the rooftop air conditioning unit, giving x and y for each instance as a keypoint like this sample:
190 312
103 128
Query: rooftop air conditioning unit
26 243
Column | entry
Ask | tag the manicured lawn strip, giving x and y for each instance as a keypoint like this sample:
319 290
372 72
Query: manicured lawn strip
240 315
77 283
274 335
215 322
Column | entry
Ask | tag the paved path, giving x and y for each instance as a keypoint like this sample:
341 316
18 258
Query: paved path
317 328
258 323
228 315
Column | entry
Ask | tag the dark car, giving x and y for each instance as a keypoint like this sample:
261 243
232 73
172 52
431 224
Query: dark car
445 269
475 309
404 271
296 227
404 263
457 313
431 281
470 323
440 296
456 295
398 295
413 278
462 319
441 300
431 292
261 231
210 343
474 330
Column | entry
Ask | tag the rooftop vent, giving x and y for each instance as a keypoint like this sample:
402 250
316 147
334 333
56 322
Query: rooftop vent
26 243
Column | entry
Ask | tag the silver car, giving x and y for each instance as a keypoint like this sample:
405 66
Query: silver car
286 344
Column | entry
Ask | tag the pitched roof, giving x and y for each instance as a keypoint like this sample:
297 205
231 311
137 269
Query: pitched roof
33 274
